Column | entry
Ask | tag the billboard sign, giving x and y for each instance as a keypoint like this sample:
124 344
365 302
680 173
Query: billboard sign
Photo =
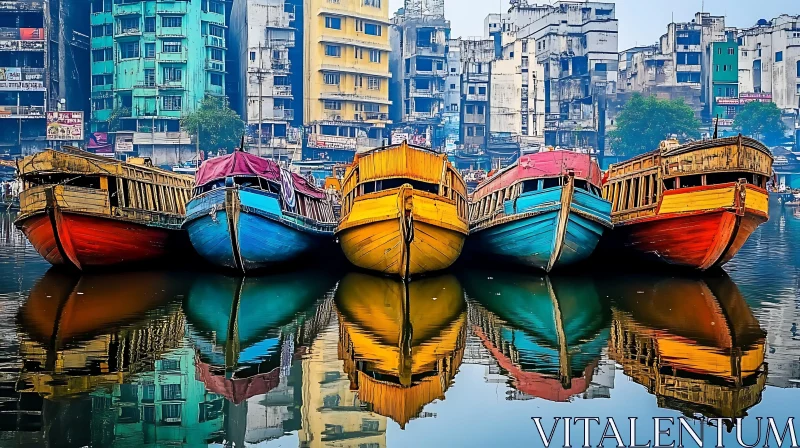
65 126
21 5
331 142
26 86
727 101
124 143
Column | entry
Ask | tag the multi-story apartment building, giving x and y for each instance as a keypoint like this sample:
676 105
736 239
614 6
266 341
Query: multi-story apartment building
576 43
420 36
153 62
722 77
769 61
476 62
451 118
346 76
44 51
263 32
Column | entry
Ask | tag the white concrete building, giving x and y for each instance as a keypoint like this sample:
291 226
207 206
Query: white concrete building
262 34
451 118
769 61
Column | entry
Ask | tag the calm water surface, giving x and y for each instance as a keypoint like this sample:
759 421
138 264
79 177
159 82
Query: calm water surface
318 359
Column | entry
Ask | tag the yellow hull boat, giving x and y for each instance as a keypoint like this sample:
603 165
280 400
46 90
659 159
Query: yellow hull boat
404 212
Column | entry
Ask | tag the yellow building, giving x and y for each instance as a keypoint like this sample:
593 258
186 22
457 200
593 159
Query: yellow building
346 94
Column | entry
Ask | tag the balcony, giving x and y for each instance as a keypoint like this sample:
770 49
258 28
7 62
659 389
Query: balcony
431 50
475 118
436 73
425 93
163 7
284 91
127 32
24 5
372 116
215 66
214 41
171 57
21 112
170 32
283 114
128 9
171 85
477 97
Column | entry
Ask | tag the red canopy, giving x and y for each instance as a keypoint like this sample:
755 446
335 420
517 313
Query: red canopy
245 164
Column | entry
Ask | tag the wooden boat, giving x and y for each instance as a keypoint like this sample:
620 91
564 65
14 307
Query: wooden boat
242 329
404 211
547 333
692 205
87 211
248 213
544 211
693 343
401 350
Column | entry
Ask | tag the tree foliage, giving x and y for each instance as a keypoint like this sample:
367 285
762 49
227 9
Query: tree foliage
218 125
646 121
761 121
114 120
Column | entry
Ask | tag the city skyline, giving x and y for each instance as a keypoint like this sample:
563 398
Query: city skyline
634 27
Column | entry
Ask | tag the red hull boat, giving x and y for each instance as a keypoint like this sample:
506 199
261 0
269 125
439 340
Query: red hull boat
85 211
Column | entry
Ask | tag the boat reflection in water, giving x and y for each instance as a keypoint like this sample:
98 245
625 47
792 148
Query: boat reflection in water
103 363
693 343
547 333
247 334
402 344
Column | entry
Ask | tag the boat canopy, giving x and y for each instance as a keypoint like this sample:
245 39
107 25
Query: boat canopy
542 165
245 164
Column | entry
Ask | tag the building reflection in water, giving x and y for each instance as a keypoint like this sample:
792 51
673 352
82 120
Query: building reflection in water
100 362
547 333
401 344
693 343
249 335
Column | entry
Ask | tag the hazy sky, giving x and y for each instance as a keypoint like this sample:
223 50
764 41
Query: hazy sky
641 22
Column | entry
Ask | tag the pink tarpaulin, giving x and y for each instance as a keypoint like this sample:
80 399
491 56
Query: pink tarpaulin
544 164
245 164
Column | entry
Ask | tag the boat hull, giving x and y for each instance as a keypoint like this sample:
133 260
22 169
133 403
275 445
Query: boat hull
403 232
695 239
246 230
87 241
531 234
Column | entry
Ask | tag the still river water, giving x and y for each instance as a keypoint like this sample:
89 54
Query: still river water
467 358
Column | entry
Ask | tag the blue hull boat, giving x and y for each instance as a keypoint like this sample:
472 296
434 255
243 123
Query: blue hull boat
248 213
546 222
246 230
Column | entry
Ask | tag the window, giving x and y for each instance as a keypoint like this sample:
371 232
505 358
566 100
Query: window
454 107
216 54
374 56
779 56
452 87
149 77
171 21
252 56
798 89
334 23
171 413
469 109
471 90
716 68
149 414
216 79
479 131
332 79
724 67
172 74
170 391
171 46
216 7
101 80
333 51
149 24
719 50
372 29
373 3
370 425
798 69
481 90
129 25
374 83
150 50
148 392
730 92
216 31
102 104
359 53
173 103
481 110
171 364
731 51
470 131
331 401
601 67
129 50
333 105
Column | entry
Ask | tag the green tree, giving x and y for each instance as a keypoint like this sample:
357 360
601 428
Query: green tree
114 120
761 121
219 126
646 121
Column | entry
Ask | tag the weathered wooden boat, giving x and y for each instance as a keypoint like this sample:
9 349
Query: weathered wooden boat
692 342
87 211
243 329
547 333
404 211
544 211
692 205
401 350
248 213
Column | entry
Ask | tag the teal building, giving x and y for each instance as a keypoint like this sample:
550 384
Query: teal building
724 85
153 61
